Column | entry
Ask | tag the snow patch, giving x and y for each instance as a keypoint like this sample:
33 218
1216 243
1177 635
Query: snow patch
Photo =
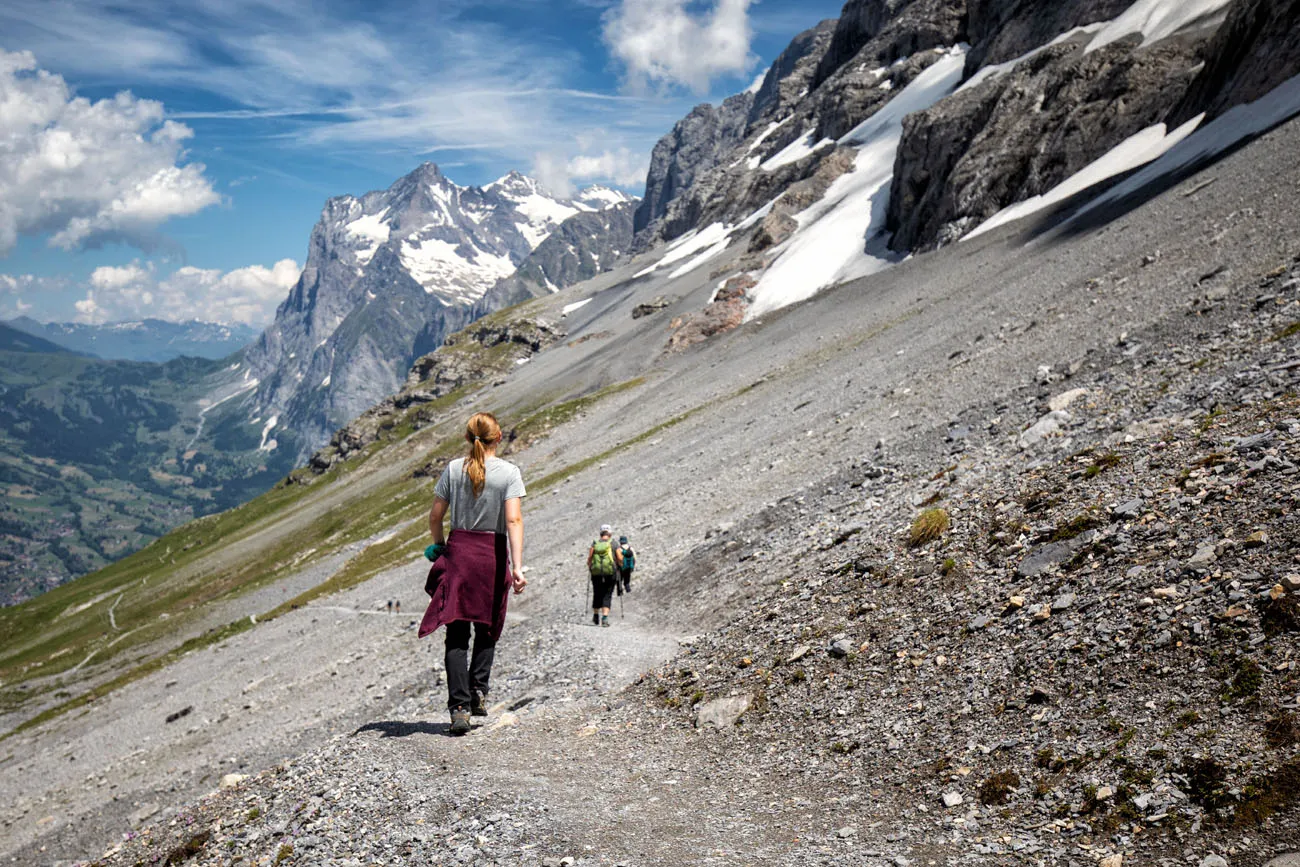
372 231
268 445
1155 20
569 308
771 128
324 383
1137 150
842 236
795 151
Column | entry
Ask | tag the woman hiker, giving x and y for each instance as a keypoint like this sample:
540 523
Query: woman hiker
475 568
603 563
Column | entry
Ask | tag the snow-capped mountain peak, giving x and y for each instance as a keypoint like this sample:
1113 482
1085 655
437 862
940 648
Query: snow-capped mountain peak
413 261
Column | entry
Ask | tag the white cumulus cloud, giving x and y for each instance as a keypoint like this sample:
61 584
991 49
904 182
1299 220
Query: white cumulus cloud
135 291
660 42
86 172
620 167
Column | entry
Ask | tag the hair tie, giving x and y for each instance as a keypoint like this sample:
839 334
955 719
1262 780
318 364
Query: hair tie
476 439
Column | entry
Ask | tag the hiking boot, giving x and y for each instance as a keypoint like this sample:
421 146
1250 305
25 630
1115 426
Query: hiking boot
595 619
604 621
478 707
459 721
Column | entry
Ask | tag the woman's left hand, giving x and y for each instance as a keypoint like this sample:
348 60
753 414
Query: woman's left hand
520 581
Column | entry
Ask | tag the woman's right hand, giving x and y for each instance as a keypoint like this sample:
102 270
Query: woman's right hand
520 582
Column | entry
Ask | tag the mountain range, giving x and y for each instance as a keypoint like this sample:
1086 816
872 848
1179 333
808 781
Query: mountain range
145 340
391 273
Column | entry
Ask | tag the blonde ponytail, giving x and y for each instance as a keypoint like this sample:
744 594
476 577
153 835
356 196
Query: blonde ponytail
482 432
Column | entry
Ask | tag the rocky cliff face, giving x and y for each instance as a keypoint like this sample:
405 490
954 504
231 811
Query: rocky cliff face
1049 87
1021 134
889 30
388 276
696 144
1002 30
1256 49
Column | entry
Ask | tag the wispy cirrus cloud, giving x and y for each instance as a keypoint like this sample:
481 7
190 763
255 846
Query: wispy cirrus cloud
425 77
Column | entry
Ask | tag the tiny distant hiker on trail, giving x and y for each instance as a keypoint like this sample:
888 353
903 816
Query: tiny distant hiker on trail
626 563
475 568
603 563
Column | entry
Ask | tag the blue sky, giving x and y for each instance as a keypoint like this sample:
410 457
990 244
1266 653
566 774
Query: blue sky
177 151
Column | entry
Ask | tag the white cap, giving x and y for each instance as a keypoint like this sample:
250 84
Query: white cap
606 528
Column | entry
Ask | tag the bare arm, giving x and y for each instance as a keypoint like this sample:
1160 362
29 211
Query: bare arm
515 536
436 514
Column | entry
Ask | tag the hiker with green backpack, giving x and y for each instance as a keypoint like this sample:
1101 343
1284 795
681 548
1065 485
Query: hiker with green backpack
627 562
603 563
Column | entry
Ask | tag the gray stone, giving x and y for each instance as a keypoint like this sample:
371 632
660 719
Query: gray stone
1049 425
1129 510
841 648
1053 552
1213 861
1063 602
722 713
1205 556
952 799
1290 859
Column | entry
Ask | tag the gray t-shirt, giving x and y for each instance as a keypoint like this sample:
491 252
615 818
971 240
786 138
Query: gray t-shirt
488 511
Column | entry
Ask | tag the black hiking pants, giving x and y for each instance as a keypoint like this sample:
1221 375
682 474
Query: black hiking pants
466 672
626 576
602 590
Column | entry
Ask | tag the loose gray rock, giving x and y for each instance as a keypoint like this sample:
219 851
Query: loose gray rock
722 713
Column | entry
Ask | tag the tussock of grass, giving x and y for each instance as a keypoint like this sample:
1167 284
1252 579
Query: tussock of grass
928 526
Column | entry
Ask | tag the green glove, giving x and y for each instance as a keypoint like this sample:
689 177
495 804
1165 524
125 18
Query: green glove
434 551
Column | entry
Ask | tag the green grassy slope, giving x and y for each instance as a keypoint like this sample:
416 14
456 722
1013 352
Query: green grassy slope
98 458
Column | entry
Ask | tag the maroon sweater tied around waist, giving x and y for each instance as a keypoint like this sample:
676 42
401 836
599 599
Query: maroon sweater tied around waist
470 581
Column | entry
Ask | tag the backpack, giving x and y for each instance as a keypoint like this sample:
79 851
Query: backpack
629 559
602 559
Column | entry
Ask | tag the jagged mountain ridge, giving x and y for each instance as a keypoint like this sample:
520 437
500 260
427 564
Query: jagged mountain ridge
143 340
388 276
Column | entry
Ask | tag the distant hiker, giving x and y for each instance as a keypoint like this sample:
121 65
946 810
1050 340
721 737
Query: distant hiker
627 562
475 568
397 606
390 606
603 563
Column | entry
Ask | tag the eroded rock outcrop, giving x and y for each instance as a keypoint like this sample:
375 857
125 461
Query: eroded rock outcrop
1018 135
486 349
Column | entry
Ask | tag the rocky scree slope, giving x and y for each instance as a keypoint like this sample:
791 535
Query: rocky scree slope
1076 645
389 275
1089 659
